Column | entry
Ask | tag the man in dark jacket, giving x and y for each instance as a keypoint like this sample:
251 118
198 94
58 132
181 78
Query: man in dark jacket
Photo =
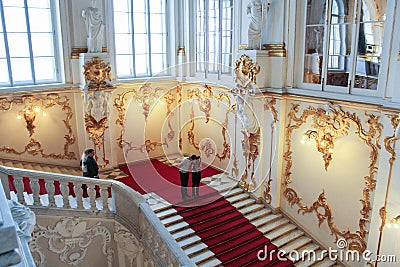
91 164
92 170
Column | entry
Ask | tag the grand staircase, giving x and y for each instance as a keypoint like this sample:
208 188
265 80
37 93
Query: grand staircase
41 167
278 229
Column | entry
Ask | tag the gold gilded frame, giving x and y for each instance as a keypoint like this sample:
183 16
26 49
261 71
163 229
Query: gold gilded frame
204 103
339 119
34 147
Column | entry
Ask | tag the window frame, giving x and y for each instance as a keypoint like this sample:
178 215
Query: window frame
323 87
169 40
224 77
59 60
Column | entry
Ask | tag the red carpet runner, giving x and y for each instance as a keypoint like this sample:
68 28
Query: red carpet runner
227 233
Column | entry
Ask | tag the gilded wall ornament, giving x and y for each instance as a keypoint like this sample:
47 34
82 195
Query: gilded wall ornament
97 74
96 129
246 72
338 122
36 105
146 147
70 239
250 144
207 148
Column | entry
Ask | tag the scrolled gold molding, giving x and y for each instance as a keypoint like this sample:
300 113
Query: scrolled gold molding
246 71
97 74
148 146
250 144
181 51
342 121
34 147
77 50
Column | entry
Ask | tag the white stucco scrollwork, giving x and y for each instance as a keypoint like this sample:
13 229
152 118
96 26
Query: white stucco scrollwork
128 245
70 239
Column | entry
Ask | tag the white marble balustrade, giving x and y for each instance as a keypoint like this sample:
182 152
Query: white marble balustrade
64 199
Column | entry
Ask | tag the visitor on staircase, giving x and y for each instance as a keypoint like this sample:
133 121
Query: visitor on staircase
184 169
196 176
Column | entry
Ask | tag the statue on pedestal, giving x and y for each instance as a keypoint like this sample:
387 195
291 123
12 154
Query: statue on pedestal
257 12
94 28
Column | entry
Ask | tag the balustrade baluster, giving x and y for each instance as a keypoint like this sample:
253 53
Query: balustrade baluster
19 186
4 182
65 193
92 196
104 197
79 194
34 183
50 192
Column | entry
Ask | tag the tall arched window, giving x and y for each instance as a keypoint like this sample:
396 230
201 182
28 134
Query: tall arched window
28 43
140 31
342 45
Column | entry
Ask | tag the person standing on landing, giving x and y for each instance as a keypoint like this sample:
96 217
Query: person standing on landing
184 168
83 163
196 176
91 165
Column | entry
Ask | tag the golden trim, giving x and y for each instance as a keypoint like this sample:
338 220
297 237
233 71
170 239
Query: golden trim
275 50
96 129
246 71
50 100
250 149
77 50
97 74
146 147
181 51
226 146
342 119
190 133
398 56
270 105
235 169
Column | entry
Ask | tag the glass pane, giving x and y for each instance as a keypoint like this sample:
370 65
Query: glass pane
226 63
42 44
157 23
200 43
45 69
157 43
19 3
123 44
339 76
315 12
141 44
140 23
312 68
212 62
158 63
373 11
314 39
18 44
39 3
139 6
121 5
141 65
370 38
4 72
122 22
40 20
2 48
15 19
18 64
157 6
124 66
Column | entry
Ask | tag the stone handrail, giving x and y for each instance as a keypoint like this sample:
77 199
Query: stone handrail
117 201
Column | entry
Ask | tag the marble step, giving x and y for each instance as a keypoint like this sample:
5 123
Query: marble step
305 251
296 243
211 262
203 256
258 214
237 198
160 207
280 229
183 234
284 241
177 227
172 220
187 242
263 223
248 205
195 249
166 213
233 192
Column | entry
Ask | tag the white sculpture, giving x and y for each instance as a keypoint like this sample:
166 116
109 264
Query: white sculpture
257 12
94 28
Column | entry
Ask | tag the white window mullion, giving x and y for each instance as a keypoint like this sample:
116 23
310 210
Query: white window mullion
149 38
7 50
28 31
